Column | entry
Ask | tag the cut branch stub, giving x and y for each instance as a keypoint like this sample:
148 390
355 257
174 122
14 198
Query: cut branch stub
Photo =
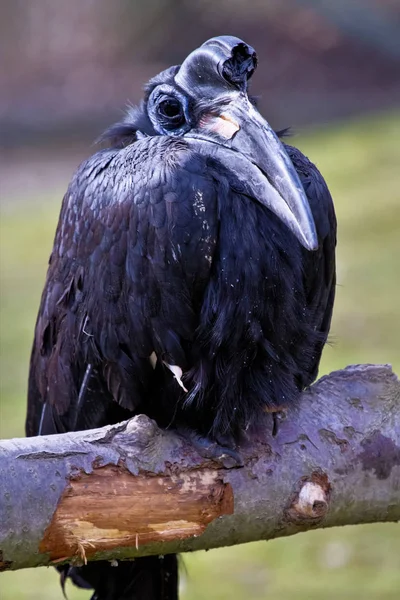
310 502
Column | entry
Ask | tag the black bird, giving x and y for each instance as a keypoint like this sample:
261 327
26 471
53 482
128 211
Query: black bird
192 278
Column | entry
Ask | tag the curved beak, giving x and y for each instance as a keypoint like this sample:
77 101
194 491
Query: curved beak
241 128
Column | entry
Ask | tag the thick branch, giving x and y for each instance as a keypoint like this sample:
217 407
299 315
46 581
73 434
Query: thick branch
131 489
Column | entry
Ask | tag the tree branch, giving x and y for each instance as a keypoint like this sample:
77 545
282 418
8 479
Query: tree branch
132 489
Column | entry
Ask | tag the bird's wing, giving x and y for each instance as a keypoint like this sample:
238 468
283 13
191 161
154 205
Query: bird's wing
132 254
319 270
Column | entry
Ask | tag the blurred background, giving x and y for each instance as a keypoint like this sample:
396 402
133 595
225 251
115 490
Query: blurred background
329 69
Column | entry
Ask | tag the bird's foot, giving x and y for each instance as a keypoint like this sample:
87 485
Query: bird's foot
222 450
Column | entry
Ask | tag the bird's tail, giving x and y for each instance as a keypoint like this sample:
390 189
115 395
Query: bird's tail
147 578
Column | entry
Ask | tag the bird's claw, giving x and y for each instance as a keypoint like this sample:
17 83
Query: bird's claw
207 448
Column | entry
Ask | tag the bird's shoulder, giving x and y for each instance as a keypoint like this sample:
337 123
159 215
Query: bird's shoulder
119 182
134 222
146 210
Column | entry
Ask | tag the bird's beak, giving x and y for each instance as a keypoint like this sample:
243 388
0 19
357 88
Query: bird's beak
241 128
238 136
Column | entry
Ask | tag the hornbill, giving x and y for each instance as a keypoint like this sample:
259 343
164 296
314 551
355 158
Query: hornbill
192 279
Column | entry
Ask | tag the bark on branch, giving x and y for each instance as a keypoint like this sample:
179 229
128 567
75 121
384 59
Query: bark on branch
131 489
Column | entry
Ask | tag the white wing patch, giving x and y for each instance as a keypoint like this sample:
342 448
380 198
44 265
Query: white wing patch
177 372
153 359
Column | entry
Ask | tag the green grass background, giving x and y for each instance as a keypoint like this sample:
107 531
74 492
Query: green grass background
360 161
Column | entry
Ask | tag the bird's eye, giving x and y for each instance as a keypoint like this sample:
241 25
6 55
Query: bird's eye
170 112
170 108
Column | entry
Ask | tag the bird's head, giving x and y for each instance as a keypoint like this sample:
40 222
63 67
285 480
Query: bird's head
205 99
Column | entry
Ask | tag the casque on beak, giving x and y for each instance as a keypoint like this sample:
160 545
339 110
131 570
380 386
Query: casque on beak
219 70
